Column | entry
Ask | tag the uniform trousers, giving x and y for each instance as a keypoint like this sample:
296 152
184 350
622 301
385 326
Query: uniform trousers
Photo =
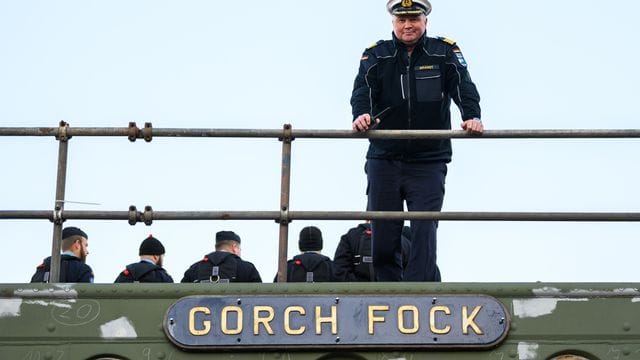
421 185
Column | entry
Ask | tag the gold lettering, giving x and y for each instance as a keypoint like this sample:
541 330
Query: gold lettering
205 323
373 319
223 321
416 324
333 320
287 320
432 319
257 320
467 320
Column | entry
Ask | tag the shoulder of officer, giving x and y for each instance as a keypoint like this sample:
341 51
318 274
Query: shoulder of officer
439 45
446 40
379 48
375 44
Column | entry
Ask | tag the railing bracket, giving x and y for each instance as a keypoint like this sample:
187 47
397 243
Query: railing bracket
57 217
133 133
284 216
287 133
148 215
62 131
147 132
133 215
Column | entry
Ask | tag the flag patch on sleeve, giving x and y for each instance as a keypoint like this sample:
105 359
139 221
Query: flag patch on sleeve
460 57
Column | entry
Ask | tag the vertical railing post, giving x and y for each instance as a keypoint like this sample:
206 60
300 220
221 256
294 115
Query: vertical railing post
285 187
63 139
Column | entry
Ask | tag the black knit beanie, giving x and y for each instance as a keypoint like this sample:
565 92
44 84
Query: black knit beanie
151 246
310 239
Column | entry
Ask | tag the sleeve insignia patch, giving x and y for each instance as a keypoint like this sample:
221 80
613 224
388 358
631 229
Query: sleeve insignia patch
364 57
461 59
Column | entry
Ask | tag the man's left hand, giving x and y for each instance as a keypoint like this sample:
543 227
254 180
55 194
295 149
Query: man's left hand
473 126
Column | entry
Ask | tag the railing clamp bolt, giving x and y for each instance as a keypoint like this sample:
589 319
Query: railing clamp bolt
147 132
284 216
57 215
133 215
148 215
133 132
287 134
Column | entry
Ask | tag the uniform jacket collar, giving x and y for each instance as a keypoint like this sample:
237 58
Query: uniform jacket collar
402 47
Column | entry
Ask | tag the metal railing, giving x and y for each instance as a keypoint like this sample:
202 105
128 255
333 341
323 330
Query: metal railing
284 216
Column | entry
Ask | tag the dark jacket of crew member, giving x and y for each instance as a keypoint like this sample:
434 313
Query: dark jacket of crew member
149 269
352 260
73 268
310 265
413 93
224 264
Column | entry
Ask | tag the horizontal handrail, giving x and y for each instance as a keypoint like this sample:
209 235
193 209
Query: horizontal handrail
64 132
324 215
326 134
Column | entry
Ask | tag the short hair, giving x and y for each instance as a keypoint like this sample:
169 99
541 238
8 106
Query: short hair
225 244
67 243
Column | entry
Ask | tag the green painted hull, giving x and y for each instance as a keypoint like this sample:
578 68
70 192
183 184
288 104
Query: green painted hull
84 321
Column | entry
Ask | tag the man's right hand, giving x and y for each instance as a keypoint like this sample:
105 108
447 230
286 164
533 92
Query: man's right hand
363 122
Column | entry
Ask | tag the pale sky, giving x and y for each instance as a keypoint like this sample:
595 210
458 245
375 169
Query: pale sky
261 64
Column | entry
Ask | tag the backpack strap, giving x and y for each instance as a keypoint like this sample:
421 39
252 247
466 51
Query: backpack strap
209 271
297 265
215 275
360 258
206 271
310 271
45 270
42 273
328 266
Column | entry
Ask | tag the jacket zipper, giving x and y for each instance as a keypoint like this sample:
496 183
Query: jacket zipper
409 88
408 97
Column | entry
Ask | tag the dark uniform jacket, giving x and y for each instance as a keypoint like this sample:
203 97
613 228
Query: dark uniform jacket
144 271
320 266
352 260
72 270
413 93
228 267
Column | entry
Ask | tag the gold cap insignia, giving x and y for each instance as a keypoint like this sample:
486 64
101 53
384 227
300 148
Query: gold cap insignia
407 3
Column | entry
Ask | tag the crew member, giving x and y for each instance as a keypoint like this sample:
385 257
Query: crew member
73 268
224 264
149 269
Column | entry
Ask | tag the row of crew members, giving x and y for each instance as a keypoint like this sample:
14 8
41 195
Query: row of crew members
352 260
